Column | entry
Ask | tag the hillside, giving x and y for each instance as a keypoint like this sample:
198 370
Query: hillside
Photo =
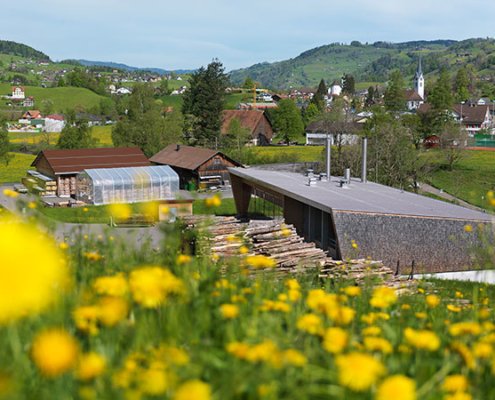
371 62
125 67
21 50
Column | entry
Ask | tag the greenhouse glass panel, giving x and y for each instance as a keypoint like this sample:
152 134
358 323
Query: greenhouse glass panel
127 185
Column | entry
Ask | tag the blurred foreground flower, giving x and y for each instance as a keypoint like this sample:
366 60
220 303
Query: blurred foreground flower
213 201
397 387
260 261
152 286
54 352
195 389
90 366
120 211
359 371
31 280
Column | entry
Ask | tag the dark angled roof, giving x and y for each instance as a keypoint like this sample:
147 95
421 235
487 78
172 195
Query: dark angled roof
412 95
248 118
472 114
186 157
75 161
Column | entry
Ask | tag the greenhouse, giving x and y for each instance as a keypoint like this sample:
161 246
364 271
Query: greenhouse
127 185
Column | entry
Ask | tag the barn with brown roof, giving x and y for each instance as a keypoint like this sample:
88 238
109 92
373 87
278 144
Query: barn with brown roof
255 121
64 165
196 166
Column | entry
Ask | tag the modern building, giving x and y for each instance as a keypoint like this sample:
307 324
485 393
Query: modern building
196 166
64 165
351 218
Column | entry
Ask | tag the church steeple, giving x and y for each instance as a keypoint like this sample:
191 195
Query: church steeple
419 80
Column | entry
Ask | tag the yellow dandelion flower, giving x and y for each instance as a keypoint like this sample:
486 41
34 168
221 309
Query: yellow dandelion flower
54 352
243 250
86 319
63 245
468 228
352 291
213 201
397 387
286 232
432 300
154 381
422 339
120 211
10 193
465 353
453 308
335 340
271 305
383 297
372 331
32 205
294 357
112 310
482 350
378 344
421 315
260 262
341 315
115 285
458 396
152 286
358 371
465 328
194 389
405 307
238 349
455 383
229 311
90 366
31 280
292 284
310 323
183 259
354 245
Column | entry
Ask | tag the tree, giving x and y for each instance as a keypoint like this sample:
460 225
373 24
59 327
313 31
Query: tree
248 83
145 125
395 98
235 140
441 95
164 87
370 97
5 156
75 135
319 97
47 107
348 86
461 84
205 101
453 139
287 120
309 113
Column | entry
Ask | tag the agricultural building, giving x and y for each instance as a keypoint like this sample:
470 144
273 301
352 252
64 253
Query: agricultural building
64 165
255 121
351 218
196 166
127 185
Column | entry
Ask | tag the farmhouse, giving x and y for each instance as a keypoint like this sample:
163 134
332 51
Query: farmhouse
64 165
352 218
258 125
18 93
196 166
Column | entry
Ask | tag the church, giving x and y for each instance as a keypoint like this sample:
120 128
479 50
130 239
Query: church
415 97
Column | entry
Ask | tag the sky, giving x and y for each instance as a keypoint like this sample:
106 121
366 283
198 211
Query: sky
187 34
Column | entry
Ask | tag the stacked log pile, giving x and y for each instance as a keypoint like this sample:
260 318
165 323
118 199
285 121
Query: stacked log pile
280 241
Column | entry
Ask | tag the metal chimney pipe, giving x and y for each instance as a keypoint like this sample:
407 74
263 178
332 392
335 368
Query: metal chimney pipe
364 160
328 149
347 175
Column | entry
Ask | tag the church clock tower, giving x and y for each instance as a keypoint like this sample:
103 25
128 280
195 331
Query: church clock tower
419 81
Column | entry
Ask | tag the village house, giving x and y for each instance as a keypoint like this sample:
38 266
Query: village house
54 123
259 126
18 93
196 166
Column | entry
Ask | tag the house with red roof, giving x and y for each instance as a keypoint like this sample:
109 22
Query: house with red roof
255 121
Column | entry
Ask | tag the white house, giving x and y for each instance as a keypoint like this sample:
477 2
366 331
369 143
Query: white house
123 90
335 90
18 93
54 123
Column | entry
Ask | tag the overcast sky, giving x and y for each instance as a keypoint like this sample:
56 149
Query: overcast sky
190 33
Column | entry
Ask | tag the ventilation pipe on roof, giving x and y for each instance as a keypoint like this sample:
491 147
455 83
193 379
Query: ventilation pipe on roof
347 176
364 160
328 149
177 147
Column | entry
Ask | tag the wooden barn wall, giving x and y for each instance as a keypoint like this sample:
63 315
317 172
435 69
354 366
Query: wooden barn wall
43 167
211 167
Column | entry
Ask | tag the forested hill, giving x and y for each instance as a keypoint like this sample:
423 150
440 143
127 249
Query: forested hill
371 62
21 50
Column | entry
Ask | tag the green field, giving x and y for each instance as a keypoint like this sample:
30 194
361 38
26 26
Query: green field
16 169
102 133
283 154
470 179
63 98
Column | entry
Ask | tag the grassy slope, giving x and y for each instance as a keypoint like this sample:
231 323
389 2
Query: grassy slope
471 178
63 98
16 169
102 133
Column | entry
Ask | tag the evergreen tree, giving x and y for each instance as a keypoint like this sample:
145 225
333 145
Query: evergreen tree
441 98
461 85
319 97
349 83
287 120
75 135
205 101
310 113
370 97
395 98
